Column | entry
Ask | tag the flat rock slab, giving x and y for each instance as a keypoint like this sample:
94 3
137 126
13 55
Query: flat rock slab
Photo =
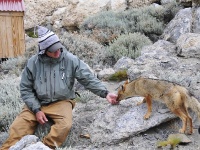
118 122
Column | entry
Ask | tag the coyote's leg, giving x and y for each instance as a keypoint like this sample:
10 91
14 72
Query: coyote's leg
190 124
185 110
143 101
183 117
149 107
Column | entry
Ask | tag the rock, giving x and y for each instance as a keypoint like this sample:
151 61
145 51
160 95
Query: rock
29 142
196 24
24 142
37 10
140 3
183 138
117 5
37 146
179 25
105 73
123 63
166 1
188 45
127 120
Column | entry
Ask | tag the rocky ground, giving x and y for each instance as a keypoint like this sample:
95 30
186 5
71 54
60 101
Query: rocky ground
142 141
84 115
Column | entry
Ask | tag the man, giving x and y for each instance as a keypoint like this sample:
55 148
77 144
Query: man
47 89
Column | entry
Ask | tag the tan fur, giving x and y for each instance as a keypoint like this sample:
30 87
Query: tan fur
176 98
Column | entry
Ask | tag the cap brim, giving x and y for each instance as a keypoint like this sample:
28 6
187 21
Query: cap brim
55 47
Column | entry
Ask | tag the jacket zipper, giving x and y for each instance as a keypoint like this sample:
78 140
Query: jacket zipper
51 84
54 81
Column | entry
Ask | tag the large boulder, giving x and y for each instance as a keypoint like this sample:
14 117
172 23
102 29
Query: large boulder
196 19
182 23
188 45
37 10
29 142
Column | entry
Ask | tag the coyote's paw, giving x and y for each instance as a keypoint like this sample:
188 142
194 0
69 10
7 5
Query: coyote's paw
147 116
190 132
181 131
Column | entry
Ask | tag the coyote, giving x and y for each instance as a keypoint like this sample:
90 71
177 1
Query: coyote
176 98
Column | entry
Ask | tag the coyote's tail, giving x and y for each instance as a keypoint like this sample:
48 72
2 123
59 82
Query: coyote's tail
194 104
191 101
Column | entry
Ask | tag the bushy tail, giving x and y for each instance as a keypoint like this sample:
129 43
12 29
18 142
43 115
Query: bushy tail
194 104
191 101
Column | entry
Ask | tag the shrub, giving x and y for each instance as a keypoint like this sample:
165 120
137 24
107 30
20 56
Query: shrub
32 32
86 49
85 96
17 64
149 25
172 141
154 11
103 27
14 65
133 16
149 20
128 45
119 76
10 101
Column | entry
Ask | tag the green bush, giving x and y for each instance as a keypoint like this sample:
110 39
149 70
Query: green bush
14 65
17 64
149 20
119 76
128 45
85 96
86 49
103 27
10 101
149 25
32 32
172 141
153 11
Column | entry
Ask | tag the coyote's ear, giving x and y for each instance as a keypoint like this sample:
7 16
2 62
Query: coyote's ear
122 88
127 81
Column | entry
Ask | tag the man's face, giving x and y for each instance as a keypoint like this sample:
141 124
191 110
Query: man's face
55 54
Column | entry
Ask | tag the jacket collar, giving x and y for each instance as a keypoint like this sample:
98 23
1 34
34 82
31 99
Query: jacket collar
46 59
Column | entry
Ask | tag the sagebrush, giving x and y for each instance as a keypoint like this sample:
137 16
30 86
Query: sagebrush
128 45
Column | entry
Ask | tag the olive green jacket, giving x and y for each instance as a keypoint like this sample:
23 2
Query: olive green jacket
45 80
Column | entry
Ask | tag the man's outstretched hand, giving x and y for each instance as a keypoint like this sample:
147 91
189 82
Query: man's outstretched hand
112 98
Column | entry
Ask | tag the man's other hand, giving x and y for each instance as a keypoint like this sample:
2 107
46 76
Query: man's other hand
41 117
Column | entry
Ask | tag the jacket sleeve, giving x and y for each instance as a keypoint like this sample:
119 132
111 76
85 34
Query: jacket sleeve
84 76
27 91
